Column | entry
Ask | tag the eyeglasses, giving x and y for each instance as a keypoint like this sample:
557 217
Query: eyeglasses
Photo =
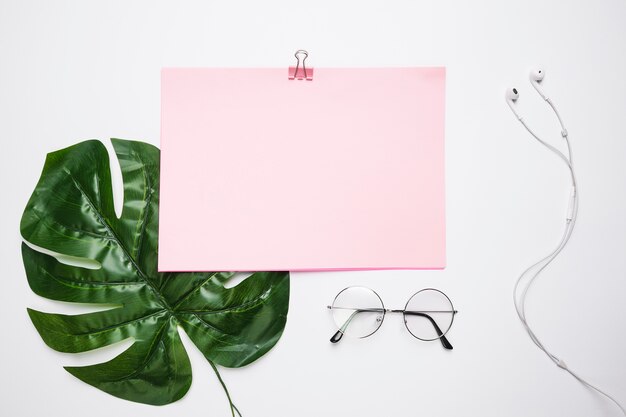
359 312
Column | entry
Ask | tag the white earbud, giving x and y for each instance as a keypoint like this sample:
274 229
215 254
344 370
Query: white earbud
536 76
511 96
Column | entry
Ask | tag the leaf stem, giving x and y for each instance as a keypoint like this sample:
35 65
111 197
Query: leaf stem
233 408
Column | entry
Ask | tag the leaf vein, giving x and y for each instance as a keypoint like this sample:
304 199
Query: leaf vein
67 281
117 239
240 307
147 197
116 325
194 290
153 348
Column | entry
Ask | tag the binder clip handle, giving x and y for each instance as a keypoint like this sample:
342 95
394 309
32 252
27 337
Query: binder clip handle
300 71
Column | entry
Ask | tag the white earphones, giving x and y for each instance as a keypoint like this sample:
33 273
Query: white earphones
511 95
528 276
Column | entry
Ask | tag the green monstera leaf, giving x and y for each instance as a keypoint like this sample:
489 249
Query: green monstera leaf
71 213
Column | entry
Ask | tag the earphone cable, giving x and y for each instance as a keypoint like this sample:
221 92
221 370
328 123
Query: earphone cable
572 215
520 304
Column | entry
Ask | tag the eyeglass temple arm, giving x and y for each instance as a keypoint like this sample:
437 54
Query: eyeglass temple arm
444 340
339 334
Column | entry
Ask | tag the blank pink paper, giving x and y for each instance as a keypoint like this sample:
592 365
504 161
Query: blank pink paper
344 172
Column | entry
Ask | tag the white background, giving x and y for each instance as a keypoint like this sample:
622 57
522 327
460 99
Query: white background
76 70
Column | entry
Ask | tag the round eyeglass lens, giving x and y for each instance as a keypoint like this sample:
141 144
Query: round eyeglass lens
358 311
429 314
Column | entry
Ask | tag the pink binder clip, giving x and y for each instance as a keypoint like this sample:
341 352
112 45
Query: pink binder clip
301 72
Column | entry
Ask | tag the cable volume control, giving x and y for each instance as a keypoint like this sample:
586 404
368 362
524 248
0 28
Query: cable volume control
571 205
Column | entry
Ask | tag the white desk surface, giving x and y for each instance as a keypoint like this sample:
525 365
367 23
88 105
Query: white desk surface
72 70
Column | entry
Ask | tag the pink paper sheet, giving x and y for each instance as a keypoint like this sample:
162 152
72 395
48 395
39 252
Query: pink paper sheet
343 172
